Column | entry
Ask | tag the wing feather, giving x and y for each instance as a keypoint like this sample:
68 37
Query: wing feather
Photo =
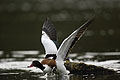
50 30
49 38
70 41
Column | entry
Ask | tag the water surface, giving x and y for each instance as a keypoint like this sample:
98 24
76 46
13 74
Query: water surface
15 66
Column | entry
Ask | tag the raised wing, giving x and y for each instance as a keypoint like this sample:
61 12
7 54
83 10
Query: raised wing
49 38
70 41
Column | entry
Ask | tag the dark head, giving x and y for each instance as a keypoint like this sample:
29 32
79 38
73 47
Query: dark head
37 64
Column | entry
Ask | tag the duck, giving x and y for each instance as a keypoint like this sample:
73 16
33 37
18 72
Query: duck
55 55
45 65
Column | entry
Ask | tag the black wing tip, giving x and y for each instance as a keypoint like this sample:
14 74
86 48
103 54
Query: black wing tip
49 29
47 22
91 20
88 22
47 18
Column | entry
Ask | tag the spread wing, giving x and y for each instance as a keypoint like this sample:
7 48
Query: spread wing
70 41
49 38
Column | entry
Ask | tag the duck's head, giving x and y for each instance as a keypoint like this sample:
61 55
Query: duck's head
37 64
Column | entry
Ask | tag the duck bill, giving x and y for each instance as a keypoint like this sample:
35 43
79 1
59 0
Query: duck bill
30 66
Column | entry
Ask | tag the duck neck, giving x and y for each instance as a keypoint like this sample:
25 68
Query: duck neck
41 67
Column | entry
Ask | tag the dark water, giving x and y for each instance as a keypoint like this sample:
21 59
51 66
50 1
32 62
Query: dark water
20 30
21 22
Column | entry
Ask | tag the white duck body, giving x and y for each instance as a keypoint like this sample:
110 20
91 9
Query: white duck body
47 69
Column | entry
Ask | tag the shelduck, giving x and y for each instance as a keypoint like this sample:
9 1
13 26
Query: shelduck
55 54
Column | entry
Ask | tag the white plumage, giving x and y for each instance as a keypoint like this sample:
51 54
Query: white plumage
48 40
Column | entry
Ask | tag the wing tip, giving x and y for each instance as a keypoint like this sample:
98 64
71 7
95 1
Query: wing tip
47 18
88 22
46 22
49 29
91 20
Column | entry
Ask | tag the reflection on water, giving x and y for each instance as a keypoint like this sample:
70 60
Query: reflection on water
1 52
15 67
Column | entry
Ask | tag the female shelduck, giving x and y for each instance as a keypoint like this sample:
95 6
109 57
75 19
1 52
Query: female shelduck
55 55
